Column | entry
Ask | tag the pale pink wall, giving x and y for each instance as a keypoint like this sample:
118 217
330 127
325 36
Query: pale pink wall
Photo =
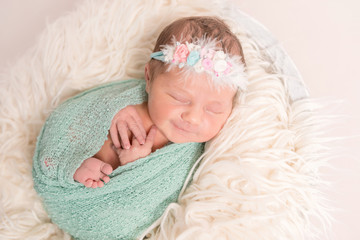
22 21
322 37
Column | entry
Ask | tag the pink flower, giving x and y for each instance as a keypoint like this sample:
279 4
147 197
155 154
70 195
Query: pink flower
181 53
207 64
207 53
228 69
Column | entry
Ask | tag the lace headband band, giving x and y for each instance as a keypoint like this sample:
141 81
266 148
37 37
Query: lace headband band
202 55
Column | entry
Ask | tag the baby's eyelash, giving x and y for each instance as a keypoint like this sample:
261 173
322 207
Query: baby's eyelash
214 112
180 99
214 109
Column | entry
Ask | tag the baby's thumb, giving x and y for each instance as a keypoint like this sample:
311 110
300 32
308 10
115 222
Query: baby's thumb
151 135
117 150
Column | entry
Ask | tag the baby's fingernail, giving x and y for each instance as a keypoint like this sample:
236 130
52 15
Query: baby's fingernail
127 146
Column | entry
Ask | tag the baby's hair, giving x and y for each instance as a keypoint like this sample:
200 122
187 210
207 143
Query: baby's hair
190 28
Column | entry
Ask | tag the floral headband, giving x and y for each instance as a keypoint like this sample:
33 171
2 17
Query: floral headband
202 55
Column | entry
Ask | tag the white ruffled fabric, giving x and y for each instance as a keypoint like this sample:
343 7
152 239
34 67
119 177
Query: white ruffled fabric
258 179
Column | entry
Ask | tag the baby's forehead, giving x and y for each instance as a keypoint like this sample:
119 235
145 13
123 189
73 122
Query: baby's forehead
200 89
178 79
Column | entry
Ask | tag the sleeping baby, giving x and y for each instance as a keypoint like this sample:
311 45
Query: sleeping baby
187 101
157 130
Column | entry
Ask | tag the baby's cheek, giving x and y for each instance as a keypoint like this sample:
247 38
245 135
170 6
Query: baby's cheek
207 131
214 128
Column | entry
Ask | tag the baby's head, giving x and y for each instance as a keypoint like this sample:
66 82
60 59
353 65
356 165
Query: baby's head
196 69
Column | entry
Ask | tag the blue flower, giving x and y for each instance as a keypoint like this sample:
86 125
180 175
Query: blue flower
193 58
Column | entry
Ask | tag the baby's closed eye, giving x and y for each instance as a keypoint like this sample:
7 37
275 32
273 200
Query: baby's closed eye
215 109
180 99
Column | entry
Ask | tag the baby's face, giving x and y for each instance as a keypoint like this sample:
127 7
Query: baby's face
188 110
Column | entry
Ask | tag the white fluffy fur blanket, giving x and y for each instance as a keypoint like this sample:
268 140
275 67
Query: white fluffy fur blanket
258 179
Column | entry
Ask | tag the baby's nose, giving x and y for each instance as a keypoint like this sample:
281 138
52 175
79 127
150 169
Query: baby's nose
192 116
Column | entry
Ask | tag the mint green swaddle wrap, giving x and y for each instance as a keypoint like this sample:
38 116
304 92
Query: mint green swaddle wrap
137 193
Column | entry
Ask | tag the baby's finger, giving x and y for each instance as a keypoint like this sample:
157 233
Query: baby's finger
135 142
114 136
140 125
123 132
137 132
151 136
117 150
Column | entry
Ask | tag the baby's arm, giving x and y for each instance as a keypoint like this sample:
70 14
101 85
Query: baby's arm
94 172
96 168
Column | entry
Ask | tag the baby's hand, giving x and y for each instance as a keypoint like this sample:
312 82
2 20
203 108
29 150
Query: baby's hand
126 120
136 150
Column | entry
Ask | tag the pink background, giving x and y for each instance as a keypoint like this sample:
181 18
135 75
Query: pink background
322 37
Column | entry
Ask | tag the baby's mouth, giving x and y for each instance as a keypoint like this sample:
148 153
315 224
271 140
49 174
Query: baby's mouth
182 129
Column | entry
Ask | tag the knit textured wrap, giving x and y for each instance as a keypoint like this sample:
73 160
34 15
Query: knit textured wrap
137 193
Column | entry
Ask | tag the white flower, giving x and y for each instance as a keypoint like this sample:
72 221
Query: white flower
198 67
168 55
220 66
190 46
219 55
197 48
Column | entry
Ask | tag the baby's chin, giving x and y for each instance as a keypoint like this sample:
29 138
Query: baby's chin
184 139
